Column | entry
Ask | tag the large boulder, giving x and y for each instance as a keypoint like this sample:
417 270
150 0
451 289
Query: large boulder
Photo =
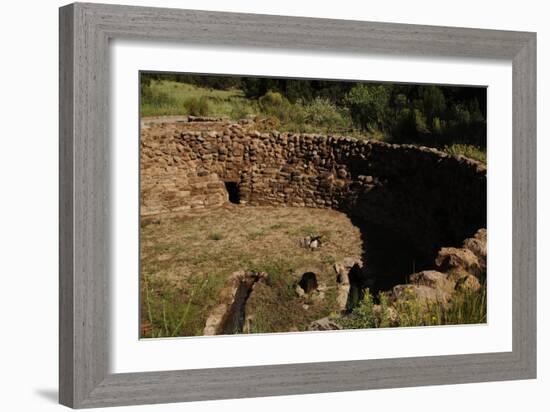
432 279
478 246
468 283
451 259
422 294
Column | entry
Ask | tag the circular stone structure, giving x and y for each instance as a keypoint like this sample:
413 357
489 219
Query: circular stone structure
416 207
410 197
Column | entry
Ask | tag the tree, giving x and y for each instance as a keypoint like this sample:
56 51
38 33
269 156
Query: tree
433 102
367 104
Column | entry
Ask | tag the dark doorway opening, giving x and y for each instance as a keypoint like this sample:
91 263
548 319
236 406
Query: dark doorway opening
308 282
233 192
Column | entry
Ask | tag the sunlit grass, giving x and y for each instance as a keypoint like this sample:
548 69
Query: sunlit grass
471 151
170 98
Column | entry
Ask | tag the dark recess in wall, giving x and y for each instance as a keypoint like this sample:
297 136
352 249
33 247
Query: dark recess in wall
233 192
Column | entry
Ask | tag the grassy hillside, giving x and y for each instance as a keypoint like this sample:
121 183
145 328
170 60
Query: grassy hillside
167 97
362 113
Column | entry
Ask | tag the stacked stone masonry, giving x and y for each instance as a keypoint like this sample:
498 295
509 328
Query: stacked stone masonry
430 197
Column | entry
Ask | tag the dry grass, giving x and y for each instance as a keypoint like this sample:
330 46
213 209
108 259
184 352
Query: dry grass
186 259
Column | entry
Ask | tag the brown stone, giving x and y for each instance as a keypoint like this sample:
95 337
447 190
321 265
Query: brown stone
468 283
450 259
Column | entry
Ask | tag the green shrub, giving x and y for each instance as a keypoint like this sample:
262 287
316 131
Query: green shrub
433 102
272 100
384 320
240 110
413 312
367 104
437 125
362 316
468 307
197 106
274 104
325 115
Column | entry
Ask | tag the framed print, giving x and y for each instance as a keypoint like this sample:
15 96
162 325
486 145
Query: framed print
259 205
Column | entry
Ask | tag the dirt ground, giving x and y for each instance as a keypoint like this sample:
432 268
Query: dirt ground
186 258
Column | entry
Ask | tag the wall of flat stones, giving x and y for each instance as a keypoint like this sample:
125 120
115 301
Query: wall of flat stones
428 196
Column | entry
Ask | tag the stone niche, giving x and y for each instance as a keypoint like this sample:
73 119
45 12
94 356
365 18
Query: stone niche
419 194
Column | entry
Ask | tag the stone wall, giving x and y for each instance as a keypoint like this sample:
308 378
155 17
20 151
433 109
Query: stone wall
429 197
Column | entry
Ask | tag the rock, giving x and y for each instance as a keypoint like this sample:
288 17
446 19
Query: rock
342 173
214 320
349 262
478 246
442 282
342 297
468 284
451 258
342 270
481 234
299 291
233 297
421 293
325 323
311 242
431 278
164 257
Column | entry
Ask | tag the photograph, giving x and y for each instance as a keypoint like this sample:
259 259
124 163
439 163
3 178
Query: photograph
273 205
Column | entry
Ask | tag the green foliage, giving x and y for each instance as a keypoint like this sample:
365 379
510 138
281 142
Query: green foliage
169 310
153 96
433 102
318 115
471 151
467 307
208 81
429 115
240 110
272 100
384 318
367 104
322 112
363 315
437 126
296 89
412 311
197 106
435 116
274 104
368 315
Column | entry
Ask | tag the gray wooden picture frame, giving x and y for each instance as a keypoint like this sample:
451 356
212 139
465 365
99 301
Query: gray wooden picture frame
85 31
